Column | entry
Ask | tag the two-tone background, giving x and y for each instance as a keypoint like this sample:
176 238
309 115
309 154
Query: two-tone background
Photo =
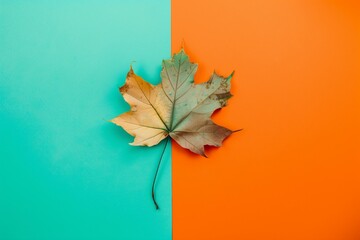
292 173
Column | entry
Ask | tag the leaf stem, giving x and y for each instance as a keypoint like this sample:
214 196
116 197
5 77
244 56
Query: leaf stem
156 173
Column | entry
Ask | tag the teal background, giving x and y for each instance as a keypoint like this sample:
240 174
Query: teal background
65 171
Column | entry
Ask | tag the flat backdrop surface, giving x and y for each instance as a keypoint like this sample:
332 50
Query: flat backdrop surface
293 172
65 172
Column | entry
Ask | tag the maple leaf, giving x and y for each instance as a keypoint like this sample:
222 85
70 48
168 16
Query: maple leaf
176 107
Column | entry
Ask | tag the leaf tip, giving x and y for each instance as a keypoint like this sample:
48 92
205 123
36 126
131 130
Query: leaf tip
130 72
131 69
231 75
107 120
202 153
237 130
182 51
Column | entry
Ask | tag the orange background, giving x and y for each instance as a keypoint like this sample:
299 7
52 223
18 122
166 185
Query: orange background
293 172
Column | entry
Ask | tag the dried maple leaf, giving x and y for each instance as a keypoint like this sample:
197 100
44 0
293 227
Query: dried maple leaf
176 107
